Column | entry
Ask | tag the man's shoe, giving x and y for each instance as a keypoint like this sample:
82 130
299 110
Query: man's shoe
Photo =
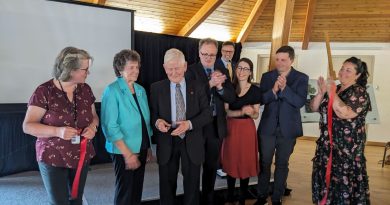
261 201
277 203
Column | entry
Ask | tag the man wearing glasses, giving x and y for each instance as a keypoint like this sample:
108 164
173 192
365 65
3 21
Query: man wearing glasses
219 90
227 52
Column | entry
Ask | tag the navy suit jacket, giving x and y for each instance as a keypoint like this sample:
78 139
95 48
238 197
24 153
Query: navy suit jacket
220 64
285 106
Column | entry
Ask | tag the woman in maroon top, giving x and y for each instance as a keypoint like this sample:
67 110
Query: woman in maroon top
59 112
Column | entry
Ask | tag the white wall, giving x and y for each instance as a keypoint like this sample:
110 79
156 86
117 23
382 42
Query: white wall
314 63
34 32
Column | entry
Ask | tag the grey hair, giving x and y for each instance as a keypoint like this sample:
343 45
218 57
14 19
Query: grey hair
121 58
68 60
174 54
208 41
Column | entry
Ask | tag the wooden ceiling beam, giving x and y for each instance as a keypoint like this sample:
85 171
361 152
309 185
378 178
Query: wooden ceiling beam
251 20
284 10
100 2
204 12
308 23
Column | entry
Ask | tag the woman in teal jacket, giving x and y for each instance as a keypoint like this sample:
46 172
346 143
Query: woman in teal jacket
125 119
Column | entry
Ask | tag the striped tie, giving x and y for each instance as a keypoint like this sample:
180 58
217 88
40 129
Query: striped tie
180 106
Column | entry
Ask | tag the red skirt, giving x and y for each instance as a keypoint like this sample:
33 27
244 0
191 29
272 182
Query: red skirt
239 153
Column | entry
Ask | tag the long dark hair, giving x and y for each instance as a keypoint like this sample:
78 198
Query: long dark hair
236 85
361 68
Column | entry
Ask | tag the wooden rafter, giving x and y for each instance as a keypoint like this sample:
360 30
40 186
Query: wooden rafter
251 20
281 28
208 8
100 2
308 23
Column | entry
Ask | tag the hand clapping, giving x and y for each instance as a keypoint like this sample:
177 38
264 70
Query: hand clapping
217 79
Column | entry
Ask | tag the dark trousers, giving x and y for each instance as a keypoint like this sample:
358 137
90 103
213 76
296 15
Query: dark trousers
282 147
128 183
58 183
168 176
211 162
231 182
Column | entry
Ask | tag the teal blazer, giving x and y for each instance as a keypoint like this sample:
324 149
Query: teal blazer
120 118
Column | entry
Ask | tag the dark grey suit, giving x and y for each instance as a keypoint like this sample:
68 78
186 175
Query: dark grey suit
214 132
170 149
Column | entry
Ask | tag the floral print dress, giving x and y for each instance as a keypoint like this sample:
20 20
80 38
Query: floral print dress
349 180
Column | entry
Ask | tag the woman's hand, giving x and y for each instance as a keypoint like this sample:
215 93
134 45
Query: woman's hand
321 86
89 132
132 162
66 133
248 110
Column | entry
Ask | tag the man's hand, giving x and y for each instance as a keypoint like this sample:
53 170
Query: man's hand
282 81
162 125
217 79
181 128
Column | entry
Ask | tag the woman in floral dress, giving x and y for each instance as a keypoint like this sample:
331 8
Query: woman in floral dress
349 180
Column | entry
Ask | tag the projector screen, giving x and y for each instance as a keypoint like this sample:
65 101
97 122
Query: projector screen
33 32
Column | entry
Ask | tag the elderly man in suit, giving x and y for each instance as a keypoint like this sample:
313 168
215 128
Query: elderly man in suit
283 93
179 110
219 90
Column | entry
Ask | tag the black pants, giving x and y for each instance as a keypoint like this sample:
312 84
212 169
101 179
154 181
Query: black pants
168 176
282 147
58 183
211 163
128 183
231 182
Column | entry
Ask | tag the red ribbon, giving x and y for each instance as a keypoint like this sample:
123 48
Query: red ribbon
330 132
76 181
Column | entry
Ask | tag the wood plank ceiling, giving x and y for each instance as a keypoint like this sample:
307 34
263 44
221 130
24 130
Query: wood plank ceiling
344 20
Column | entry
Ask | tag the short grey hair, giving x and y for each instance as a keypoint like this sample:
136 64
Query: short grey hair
208 41
121 58
174 54
68 60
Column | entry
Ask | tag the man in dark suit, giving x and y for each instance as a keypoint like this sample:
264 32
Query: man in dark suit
219 90
225 61
283 93
179 110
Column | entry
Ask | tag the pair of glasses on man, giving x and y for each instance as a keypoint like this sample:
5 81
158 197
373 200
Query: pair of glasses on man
206 55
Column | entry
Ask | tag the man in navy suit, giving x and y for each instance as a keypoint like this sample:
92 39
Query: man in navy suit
283 93
225 61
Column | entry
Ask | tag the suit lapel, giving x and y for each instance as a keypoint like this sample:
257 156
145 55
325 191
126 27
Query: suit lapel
201 73
189 97
291 77
166 99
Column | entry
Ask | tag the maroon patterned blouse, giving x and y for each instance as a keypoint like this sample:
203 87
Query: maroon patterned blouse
55 151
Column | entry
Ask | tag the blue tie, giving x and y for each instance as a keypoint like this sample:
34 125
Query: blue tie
208 72
212 103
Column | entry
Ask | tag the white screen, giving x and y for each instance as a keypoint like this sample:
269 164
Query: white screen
33 32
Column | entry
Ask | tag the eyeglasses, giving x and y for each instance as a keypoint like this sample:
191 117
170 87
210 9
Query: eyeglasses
243 69
85 69
206 55
226 51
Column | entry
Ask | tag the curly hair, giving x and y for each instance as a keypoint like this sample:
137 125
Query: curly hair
121 58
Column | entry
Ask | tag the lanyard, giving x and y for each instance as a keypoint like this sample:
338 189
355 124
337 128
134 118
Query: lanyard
74 103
